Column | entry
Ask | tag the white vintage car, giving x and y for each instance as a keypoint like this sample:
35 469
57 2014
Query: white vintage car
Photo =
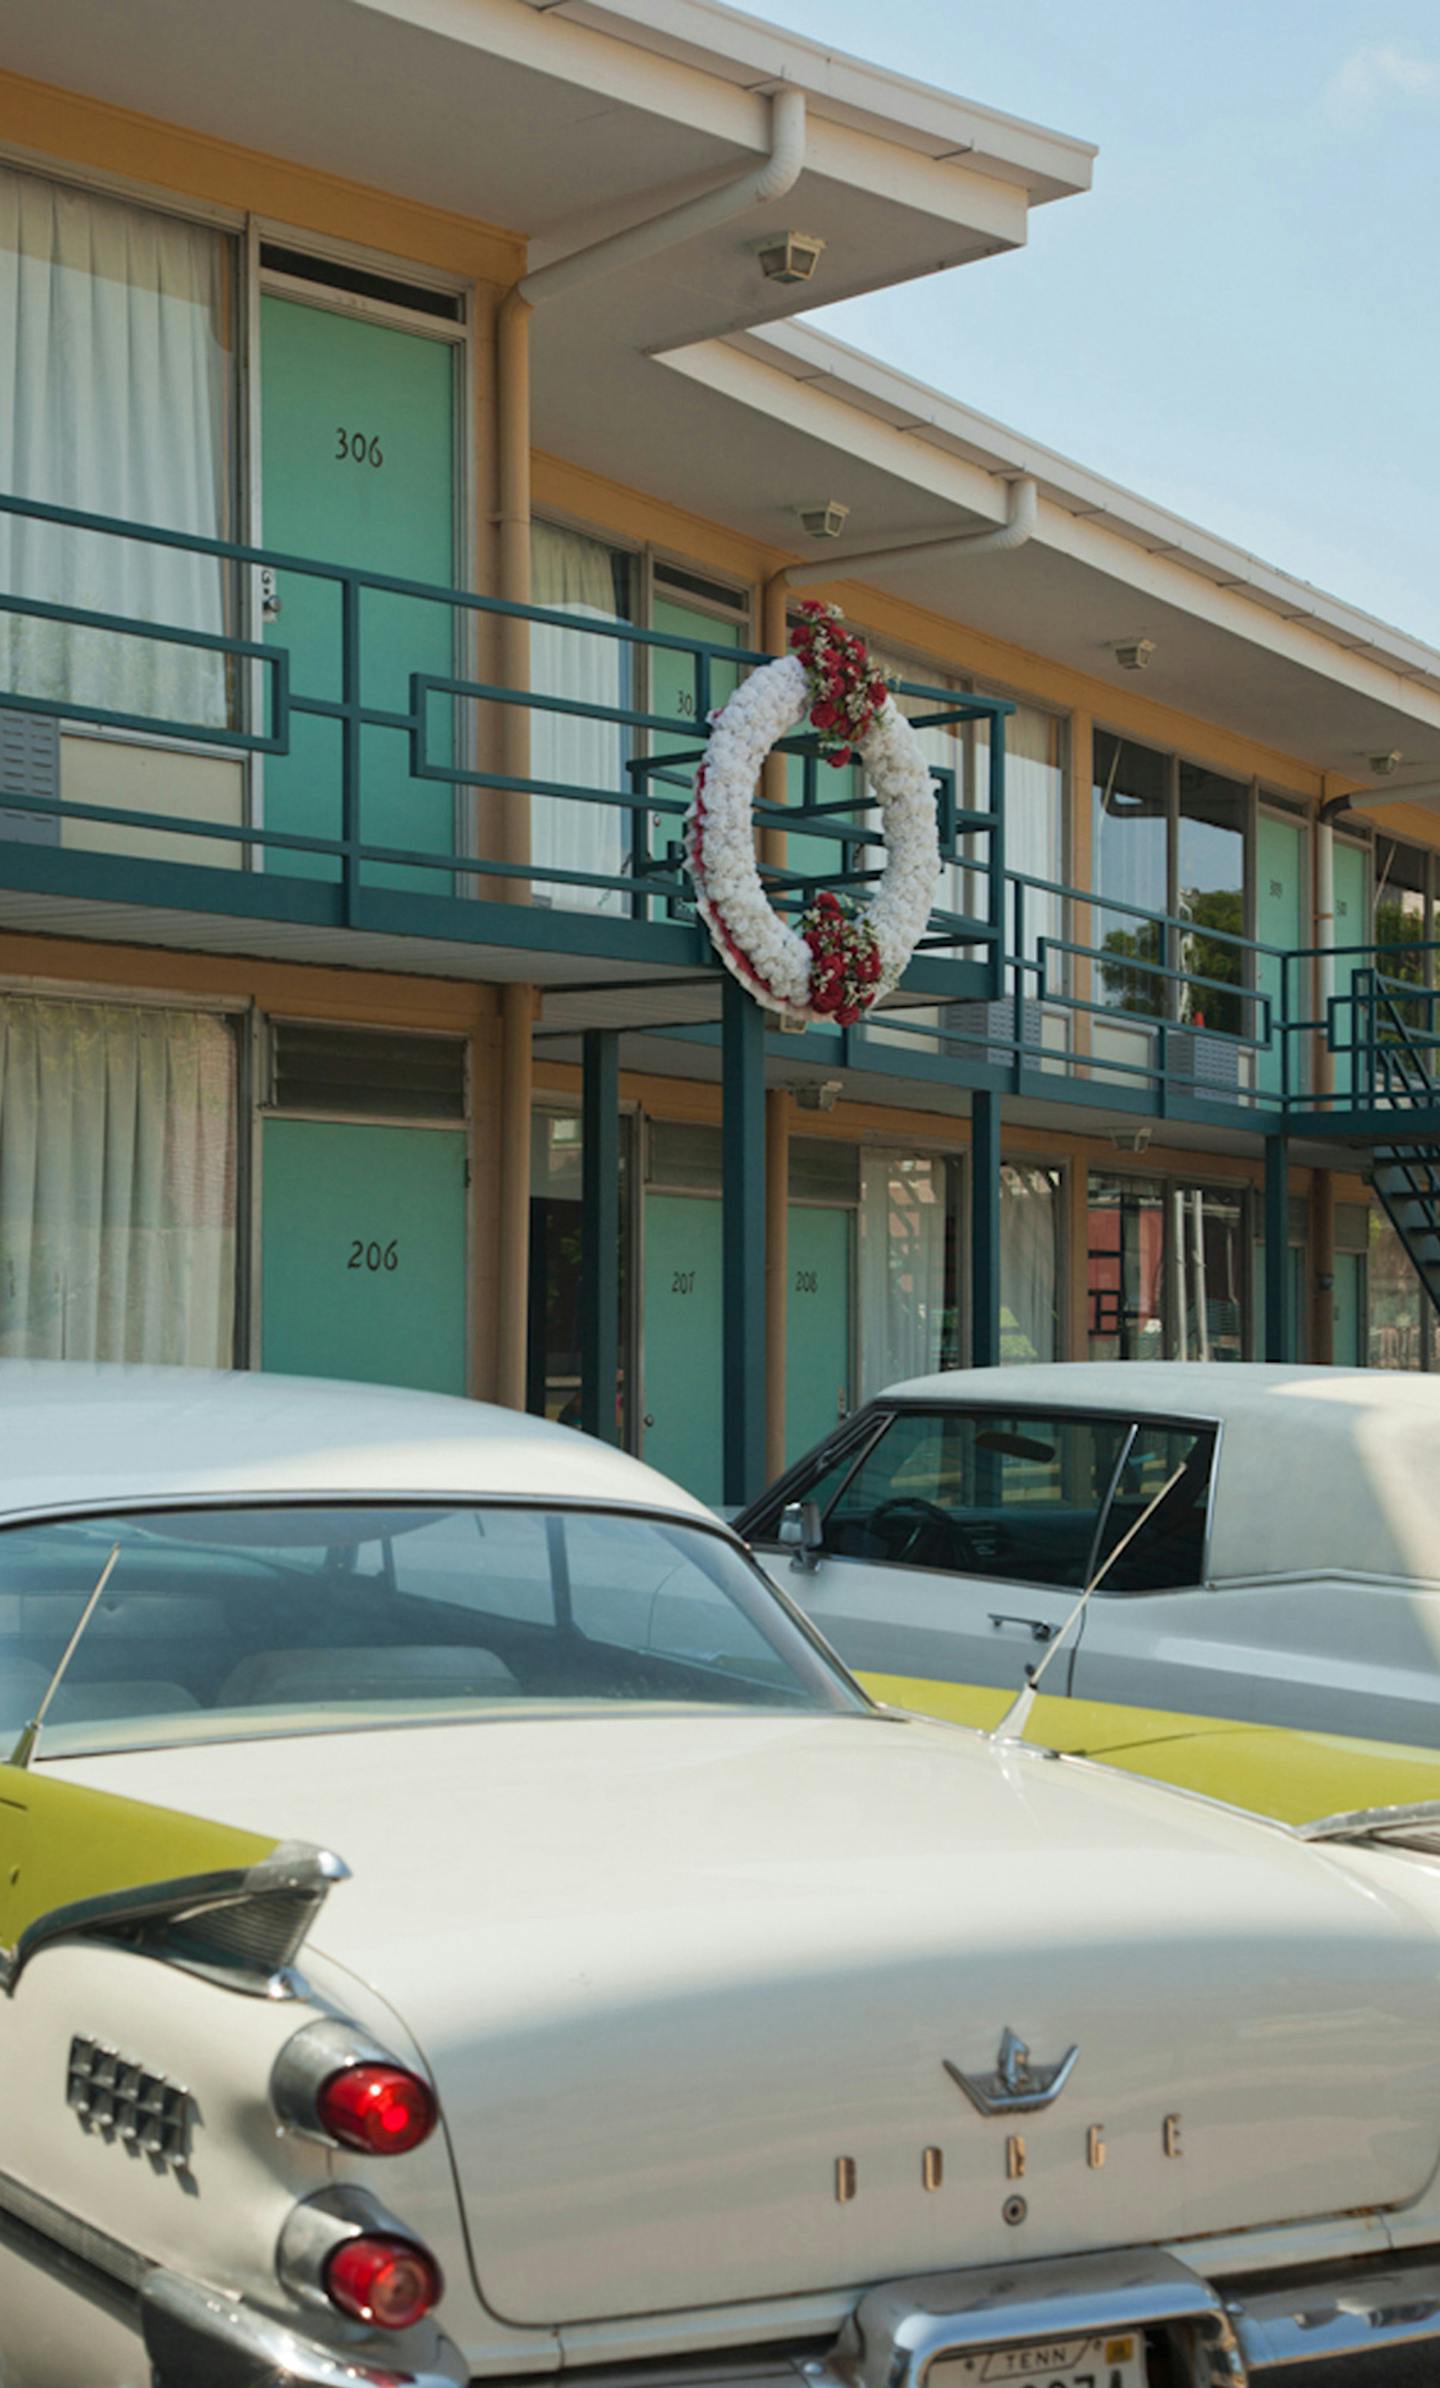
684 2018
1290 1575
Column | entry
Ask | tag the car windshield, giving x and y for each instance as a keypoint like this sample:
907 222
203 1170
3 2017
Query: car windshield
228 1623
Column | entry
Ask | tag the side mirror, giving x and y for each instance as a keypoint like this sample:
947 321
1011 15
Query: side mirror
802 1532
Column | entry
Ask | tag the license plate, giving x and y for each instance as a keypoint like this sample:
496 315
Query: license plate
1114 2361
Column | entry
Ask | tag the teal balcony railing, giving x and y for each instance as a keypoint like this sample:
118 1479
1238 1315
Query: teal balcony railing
362 720
366 732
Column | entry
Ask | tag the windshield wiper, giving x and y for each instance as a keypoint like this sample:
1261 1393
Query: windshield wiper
25 1747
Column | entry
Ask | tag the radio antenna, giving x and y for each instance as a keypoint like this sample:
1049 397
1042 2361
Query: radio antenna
25 1747
1012 1724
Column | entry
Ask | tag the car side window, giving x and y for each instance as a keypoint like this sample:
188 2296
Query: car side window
1168 1552
979 1492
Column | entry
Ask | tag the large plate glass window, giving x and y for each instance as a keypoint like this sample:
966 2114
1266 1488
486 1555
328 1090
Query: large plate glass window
117 330
1031 1214
1210 897
909 1267
117 1182
1131 799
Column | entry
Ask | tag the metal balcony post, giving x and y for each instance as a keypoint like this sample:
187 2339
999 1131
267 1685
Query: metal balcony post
1279 1308
743 1186
600 1234
350 742
985 1230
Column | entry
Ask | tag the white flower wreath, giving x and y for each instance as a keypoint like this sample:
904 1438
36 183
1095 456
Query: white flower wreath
774 961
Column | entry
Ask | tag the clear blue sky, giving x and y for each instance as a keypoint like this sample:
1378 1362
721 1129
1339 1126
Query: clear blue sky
1241 319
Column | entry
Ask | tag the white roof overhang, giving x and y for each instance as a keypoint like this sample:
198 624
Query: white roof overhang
564 122
788 415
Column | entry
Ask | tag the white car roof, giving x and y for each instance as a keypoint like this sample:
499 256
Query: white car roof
85 1435
1333 1470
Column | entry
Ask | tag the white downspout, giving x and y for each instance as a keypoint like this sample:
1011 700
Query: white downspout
1017 528
758 185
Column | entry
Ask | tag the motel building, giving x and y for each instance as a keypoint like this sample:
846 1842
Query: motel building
410 437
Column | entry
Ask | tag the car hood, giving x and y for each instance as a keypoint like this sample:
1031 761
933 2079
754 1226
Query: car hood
691 1985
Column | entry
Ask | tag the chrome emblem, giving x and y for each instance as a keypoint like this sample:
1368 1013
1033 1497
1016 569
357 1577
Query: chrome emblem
1016 2086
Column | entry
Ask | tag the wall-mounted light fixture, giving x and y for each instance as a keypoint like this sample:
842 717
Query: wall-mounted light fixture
1133 654
1385 766
818 1094
790 256
824 522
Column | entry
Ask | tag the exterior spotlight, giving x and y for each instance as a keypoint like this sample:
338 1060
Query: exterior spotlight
824 522
818 1096
1133 654
1384 766
1130 1140
790 256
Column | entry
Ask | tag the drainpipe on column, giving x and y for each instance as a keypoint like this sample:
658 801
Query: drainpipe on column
770 180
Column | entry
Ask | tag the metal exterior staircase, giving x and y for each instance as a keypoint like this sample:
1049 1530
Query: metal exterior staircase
1407 1173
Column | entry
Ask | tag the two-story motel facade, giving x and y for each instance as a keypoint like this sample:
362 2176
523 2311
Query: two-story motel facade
438 359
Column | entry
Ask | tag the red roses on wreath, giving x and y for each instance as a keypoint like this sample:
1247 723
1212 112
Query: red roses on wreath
845 695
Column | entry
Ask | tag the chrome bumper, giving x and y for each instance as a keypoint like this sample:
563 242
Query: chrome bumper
1218 2335
194 2335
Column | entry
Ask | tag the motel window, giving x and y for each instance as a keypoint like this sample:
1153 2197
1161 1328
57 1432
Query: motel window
1166 1270
117 1182
578 575
117 324
1171 836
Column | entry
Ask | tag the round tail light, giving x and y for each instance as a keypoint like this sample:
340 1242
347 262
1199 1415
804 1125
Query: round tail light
382 2110
389 2283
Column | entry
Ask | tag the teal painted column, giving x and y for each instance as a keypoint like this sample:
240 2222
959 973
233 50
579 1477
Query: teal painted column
743 1187
984 1230
600 1234
1279 1305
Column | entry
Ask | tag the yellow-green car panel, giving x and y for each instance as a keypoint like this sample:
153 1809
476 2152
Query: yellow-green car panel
1291 1776
63 1845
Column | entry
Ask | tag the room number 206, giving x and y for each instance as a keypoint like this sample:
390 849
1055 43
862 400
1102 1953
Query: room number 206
374 1257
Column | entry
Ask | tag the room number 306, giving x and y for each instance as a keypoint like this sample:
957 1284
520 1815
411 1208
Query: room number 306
357 447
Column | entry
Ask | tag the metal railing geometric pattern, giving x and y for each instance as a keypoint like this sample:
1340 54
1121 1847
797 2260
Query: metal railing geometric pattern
1034 985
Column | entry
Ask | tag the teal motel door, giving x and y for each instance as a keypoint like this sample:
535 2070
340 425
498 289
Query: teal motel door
358 467
1352 927
1280 921
363 1253
817 1324
683 1362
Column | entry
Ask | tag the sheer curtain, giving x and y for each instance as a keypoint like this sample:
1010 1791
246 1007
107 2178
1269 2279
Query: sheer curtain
1029 1273
1034 822
117 1182
116 386
904 1209
578 576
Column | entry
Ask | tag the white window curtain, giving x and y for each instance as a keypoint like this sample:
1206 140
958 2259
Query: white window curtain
117 1182
1029 1271
577 576
904 1201
117 360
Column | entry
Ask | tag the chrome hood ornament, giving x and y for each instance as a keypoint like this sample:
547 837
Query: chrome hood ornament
1016 2086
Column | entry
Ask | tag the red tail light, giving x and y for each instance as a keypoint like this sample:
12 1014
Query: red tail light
382 2110
389 2283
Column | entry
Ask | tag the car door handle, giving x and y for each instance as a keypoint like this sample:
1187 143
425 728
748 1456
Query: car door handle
1038 1628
